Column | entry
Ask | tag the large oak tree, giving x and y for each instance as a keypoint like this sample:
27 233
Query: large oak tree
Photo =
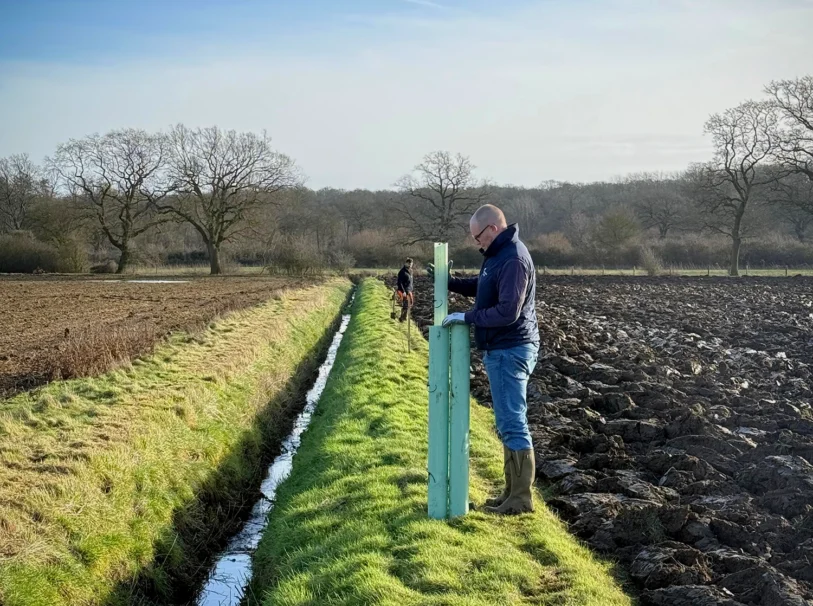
220 179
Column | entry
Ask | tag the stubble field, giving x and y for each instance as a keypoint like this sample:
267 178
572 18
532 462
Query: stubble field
68 327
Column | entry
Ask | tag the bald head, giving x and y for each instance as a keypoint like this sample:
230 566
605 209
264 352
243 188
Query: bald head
487 223
488 214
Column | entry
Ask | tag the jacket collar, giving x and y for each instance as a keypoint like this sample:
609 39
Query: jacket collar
511 234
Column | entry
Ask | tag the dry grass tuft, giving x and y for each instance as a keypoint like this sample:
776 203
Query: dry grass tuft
96 350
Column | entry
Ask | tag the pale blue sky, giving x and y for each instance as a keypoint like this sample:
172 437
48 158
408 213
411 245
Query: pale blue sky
358 91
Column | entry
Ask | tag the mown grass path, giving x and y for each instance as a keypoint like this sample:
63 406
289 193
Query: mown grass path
350 524
117 488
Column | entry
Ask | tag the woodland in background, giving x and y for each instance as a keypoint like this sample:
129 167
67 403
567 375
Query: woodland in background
129 198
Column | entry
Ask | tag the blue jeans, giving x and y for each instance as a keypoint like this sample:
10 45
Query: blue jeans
508 372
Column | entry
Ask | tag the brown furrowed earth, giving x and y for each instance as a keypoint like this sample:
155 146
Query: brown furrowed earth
58 327
673 429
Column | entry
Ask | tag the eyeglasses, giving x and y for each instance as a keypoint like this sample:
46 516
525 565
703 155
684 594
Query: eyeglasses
477 237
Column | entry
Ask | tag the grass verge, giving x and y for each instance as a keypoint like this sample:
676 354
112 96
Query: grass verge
118 487
350 525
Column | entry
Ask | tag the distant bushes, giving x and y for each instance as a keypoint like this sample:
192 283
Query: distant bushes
73 257
771 250
464 256
650 261
340 260
555 250
776 250
296 257
300 257
379 248
692 250
105 267
21 253
192 257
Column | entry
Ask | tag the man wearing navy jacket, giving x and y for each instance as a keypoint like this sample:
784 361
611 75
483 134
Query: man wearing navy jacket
505 328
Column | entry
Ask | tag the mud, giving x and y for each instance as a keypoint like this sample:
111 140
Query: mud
673 429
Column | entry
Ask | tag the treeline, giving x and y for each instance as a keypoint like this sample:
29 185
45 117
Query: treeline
188 196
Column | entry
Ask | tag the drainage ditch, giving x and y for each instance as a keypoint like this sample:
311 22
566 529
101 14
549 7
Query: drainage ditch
231 573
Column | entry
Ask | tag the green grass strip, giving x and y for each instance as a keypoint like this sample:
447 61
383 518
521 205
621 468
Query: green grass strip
350 524
117 487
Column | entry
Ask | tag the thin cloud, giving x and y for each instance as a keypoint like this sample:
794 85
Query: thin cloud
427 3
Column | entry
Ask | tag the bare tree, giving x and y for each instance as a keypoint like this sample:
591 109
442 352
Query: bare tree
22 183
792 196
319 216
120 176
578 230
565 199
570 195
526 210
438 197
357 210
658 201
724 187
793 101
56 220
221 179
614 231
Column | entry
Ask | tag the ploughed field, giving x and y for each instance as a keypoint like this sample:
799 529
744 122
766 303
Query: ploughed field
56 327
673 429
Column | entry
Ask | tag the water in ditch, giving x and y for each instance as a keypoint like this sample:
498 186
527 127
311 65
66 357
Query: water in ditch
232 570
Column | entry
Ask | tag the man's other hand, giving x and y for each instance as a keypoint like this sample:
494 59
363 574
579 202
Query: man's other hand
430 269
455 318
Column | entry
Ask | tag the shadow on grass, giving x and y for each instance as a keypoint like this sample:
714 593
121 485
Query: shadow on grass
200 530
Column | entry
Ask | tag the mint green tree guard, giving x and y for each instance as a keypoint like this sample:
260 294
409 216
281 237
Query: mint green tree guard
459 422
438 422
449 389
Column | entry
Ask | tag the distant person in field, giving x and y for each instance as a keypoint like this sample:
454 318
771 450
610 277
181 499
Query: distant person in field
405 288
505 328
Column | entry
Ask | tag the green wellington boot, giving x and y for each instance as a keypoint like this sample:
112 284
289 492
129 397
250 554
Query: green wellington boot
522 468
506 459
